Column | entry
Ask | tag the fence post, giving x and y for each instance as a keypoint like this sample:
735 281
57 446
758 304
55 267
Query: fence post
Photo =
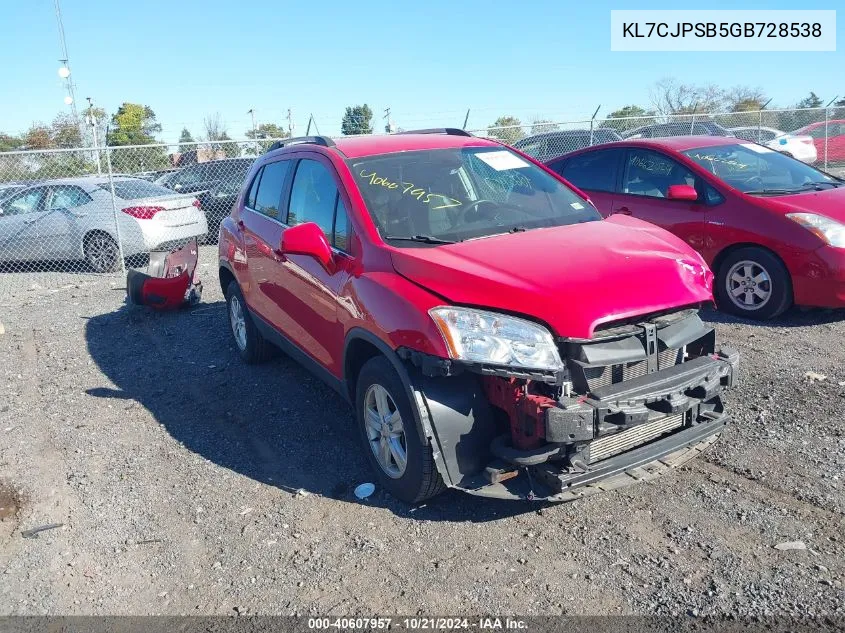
759 126
115 212
592 124
826 120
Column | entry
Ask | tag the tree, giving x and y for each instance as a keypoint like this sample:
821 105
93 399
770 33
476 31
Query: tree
38 136
133 124
267 131
668 96
65 132
810 101
628 118
136 124
357 120
185 137
540 126
10 143
745 99
507 129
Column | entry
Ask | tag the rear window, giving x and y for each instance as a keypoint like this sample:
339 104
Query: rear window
134 189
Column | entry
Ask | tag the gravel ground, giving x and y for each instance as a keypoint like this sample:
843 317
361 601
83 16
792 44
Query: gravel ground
189 483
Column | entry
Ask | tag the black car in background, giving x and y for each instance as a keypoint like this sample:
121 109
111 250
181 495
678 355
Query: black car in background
205 176
217 203
678 128
550 145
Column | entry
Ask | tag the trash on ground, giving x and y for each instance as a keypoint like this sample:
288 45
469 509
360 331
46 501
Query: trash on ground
791 545
364 490
33 533
2 329
813 376
302 492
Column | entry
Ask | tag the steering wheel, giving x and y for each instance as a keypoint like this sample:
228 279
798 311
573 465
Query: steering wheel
754 179
472 212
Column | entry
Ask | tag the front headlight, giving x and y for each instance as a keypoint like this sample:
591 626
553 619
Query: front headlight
498 339
827 229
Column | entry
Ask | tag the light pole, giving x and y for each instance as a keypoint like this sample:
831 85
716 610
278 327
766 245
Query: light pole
251 112
92 121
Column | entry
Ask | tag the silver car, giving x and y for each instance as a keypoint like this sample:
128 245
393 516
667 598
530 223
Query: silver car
74 219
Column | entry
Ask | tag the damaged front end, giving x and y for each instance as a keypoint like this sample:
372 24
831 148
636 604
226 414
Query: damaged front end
170 282
634 400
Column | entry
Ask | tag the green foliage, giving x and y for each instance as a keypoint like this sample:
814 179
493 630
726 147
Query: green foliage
185 137
133 124
38 136
507 129
267 131
65 132
810 101
10 143
628 118
136 124
357 120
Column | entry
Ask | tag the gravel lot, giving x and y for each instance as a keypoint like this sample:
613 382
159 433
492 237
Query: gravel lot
175 471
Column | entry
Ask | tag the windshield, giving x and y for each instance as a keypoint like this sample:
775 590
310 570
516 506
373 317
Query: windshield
463 193
756 169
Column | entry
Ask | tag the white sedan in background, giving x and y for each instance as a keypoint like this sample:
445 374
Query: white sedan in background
800 147
73 219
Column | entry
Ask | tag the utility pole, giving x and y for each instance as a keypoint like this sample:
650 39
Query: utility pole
389 125
251 112
92 121
64 71
290 123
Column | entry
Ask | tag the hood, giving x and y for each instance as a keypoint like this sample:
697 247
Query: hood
573 278
829 202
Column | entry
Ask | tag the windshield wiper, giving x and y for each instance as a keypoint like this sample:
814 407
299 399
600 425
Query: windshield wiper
817 183
425 239
772 192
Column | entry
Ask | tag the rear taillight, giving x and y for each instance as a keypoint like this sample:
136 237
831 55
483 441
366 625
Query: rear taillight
142 213
196 203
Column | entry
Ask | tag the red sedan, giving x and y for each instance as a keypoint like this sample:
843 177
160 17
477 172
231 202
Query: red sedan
834 132
770 227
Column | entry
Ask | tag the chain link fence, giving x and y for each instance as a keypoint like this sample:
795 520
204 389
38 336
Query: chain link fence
76 215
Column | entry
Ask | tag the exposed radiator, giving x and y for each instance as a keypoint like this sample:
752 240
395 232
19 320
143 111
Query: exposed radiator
605 447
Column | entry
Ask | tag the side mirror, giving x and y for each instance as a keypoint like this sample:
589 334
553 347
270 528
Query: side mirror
682 192
307 239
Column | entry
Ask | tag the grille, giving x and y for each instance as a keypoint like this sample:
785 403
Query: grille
605 447
611 374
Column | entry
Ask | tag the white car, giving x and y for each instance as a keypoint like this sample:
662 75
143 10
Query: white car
800 147
73 219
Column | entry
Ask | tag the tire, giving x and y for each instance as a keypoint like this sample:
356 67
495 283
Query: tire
419 479
252 347
764 273
101 252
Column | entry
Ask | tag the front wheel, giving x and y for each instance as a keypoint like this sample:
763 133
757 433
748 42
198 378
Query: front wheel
753 283
401 459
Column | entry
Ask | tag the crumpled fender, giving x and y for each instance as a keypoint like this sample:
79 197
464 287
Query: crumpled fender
170 282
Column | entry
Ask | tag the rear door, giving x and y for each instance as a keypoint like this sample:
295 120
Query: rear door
595 172
646 177
19 226
261 225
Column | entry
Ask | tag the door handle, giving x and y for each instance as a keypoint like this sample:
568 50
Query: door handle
79 215
241 225
623 210
30 221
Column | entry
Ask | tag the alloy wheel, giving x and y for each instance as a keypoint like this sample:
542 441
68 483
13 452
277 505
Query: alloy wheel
237 319
385 431
748 285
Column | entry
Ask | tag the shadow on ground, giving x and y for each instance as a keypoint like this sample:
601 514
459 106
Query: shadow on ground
794 317
274 423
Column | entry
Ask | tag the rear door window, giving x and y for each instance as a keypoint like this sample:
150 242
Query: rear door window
68 198
593 171
268 196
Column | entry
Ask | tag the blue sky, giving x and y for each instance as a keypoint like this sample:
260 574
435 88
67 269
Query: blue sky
429 61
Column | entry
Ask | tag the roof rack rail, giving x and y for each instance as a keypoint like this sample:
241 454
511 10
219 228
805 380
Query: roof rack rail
325 141
451 131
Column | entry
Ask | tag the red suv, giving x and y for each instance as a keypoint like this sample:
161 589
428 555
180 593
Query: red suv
492 332
771 227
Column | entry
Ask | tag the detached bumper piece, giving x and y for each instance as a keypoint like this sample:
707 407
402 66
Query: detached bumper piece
170 282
